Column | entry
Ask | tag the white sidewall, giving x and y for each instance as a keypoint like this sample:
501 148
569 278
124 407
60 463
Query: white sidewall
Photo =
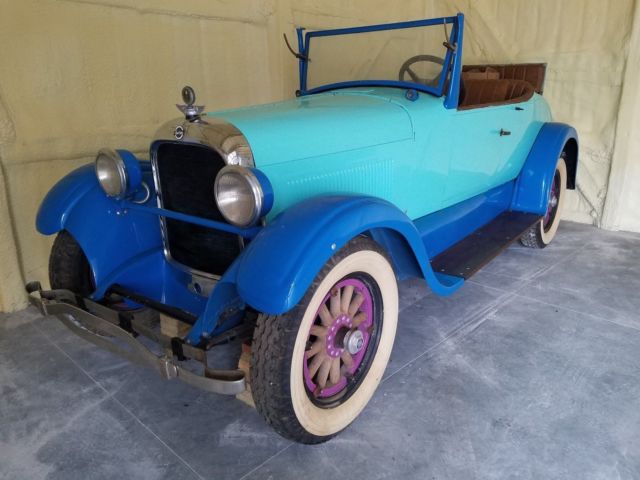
548 236
327 421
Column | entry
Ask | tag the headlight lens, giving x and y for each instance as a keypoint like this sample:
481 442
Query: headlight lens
111 173
239 195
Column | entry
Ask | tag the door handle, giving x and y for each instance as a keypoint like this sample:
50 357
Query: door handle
504 133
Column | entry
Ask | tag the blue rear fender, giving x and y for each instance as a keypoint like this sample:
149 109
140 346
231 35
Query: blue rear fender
280 263
534 182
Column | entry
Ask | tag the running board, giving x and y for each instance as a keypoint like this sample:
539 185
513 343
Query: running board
476 250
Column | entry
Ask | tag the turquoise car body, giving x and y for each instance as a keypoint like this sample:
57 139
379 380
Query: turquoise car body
417 155
395 161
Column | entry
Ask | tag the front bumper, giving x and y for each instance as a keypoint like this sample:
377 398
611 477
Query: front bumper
114 331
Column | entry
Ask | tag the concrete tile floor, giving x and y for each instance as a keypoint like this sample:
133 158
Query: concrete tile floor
532 370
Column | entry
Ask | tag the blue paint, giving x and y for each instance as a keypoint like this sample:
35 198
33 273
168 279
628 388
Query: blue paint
133 169
62 198
451 101
444 228
427 22
248 232
372 83
415 174
456 36
223 299
267 192
280 263
368 141
535 180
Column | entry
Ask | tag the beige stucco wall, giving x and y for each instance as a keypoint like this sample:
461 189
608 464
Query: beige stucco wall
77 75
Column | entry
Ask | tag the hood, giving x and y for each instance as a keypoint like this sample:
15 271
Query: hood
320 124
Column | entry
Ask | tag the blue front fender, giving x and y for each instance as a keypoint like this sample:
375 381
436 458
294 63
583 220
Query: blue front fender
280 263
535 179
110 236
62 198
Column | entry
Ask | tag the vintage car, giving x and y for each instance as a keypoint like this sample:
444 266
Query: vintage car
292 222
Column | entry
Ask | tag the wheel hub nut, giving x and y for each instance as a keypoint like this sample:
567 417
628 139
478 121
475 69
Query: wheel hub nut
354 341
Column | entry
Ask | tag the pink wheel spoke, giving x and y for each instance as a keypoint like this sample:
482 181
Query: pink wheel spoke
347 359
334 302
334 374
355 304
325 316
328 365
359 318
318 331
347 293
323 373
315 364
315 349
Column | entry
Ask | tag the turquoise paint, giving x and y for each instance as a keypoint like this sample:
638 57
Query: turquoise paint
373 141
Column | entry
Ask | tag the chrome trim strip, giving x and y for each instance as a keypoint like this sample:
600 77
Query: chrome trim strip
225 138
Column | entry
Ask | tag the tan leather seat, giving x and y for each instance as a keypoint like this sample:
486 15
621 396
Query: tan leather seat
486 93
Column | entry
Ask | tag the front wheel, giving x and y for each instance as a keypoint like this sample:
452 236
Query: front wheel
316 367
541 234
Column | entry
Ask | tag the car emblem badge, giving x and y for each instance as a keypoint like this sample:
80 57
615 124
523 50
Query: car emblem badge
178 132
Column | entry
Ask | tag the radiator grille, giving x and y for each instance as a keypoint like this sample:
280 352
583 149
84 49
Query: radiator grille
186 174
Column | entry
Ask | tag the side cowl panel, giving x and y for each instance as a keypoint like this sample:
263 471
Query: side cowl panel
535 179
282 260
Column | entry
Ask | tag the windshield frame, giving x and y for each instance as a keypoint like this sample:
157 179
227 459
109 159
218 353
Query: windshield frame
452 62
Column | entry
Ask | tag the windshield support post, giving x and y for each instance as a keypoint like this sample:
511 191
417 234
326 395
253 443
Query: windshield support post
452 97
302 59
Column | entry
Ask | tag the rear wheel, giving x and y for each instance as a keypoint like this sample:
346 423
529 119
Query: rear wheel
315 368
542 233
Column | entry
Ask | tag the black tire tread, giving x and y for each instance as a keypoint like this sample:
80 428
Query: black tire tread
532 238
68 265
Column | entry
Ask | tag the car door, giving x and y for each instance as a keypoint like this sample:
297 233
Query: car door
485 148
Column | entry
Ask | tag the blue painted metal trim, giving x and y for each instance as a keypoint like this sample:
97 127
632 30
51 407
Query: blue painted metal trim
267 191
455 37
133 169
452 98
444 228
427 22
373 83
301 63
224 302
204 222
279 264
535 179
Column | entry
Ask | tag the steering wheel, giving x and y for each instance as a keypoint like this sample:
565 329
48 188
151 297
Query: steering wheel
406 69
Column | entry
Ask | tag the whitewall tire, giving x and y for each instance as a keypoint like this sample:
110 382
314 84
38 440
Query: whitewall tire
315 368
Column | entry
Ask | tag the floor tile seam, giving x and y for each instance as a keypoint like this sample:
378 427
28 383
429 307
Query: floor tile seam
120 404
258 467
429 292
591 315
527 280
470 326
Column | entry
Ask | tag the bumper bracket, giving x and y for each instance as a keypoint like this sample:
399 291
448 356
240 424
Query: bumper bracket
112 331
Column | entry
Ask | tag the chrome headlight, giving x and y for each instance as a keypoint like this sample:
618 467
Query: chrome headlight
118 172
243 195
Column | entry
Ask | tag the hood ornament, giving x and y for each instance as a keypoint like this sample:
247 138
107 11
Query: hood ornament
191 112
